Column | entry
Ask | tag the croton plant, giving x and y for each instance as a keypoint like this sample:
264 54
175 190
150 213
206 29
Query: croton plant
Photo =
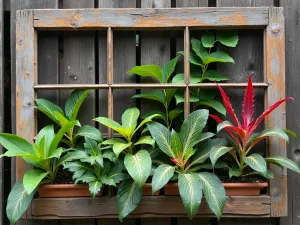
158 147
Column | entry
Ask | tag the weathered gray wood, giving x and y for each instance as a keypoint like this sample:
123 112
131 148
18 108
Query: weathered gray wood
245 3
249 221
156 18
160 206
78 62
124 57
191 3
6 5
292 26
2 109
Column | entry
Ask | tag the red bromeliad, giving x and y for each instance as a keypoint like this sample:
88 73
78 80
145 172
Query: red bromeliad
242 132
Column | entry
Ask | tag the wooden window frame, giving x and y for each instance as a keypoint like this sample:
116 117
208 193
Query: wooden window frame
29 22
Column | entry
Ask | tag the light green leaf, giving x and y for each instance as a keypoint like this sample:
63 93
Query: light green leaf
155 95
128 197
190 189
215 105
146 140
146 120
168 69
227 37
192 127
15 145
176 145
234 172
56 154
179 96
223 125
217 151
256 162
129 118
113 141
48 108
195 77
208 40
70 156
175 113
199 49
95 187
147 70
293 134
282 161
63 121
162 137
48 134
214 192
74 103
269 174
194 59
273 132
160 115
138 166
87 177
18 201
218 56
213 75
119 147
161 176
113 125
32 179
170 92
205 136
116 174
90 132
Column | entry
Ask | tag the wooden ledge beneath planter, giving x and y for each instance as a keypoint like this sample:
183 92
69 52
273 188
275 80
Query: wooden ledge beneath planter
150 206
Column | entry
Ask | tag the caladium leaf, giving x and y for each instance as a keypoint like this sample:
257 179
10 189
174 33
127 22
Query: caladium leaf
272 132
148 71
119 147
217 151
256 162
161 176
248 104
282 161
129 118
176 145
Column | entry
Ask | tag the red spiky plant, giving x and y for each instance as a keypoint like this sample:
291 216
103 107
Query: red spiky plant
244 138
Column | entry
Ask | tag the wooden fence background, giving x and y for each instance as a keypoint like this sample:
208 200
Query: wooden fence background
68 57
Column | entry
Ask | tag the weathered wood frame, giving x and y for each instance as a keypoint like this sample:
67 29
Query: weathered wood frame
29 22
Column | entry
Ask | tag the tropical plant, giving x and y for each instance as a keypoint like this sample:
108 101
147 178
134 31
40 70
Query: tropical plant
45 155
137 161
244 138
164 96
94 166
202 55
189 160
72 107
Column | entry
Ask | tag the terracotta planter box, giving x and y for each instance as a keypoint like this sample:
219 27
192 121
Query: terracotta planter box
65 190
147 190
232 189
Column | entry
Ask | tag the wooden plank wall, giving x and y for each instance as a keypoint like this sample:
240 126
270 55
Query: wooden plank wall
1 109
67 58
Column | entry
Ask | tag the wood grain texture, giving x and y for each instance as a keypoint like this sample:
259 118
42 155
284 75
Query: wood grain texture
26 77
63 208
6 5
156 221
116 222
195 221
292 26
78 62
274 41
147 18
2 109
78 222
191 3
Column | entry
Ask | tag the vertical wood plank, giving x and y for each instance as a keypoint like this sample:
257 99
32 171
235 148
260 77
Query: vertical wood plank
191 3
26 71
110 74
2 109
187 71
124 56
78 62
245 3
275 75
292 38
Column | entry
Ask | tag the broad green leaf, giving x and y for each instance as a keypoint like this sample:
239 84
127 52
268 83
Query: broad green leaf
269 174
179 96
130 117
213 75
113 125
63 121
188 154
215 105
205 136
208 40
57 138
256 162
217 151
128 197
48 134
138 166
218 56
175 113
56 154
234 172
95 187
214 192
293 134
107 180
90 132
70 156
146 140
32 179
176 145
113 141
116 174
15 145
223 125
155 95
190 189
195 78
160 115
199 49
227 37
146 120
170 92
273 132
161 176
109 155
205 94
48 108
77 168
147 70
282 161
192 127
209 166
194 59
17 203
204 148
162 137
168 69
119 147
87 177
74 103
